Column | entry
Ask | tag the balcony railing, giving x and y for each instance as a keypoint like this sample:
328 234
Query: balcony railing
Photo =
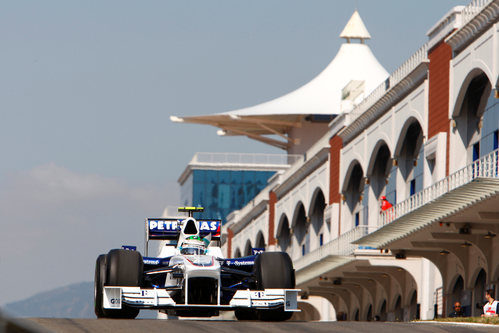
341 246
245 158
473 8
398 75
485 167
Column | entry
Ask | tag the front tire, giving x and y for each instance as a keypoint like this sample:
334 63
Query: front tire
124 268
274 270
99 280
246 314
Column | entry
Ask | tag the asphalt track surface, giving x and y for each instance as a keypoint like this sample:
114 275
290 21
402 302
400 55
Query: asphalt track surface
211 326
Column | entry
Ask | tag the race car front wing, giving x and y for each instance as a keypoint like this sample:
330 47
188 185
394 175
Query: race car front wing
115 297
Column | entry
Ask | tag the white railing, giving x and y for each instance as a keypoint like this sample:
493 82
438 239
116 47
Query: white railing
341 246
409 65
245 158
472 9
485 167
398 75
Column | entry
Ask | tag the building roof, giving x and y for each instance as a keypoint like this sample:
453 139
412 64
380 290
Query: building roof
321 96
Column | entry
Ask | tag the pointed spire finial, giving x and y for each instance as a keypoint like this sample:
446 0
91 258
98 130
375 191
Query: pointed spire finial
355 29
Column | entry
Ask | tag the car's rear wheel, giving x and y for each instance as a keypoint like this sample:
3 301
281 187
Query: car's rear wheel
274 270
124 268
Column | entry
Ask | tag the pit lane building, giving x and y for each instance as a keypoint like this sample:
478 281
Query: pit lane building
424 136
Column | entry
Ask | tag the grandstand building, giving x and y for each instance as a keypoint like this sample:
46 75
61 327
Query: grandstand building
424 136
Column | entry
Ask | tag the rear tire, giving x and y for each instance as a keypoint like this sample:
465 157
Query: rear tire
124 268
274 270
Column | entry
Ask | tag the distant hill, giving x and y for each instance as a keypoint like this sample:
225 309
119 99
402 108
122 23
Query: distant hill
72 301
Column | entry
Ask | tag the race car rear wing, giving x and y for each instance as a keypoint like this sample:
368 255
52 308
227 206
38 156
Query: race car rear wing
170 228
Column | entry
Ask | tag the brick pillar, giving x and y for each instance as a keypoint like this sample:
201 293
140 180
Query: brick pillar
438 99
272 202
335 144
230 235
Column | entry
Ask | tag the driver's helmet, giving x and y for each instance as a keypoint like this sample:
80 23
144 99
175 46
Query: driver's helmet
193 245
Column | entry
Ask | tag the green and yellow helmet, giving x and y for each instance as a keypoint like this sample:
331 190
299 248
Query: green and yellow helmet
193 245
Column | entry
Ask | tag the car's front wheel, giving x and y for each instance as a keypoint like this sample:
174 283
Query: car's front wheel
117 268
274 270
99 280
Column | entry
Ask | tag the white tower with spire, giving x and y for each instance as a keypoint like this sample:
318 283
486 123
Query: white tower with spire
301 116
355 29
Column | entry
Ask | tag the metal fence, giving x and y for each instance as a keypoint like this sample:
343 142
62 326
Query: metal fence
245 158
341 246
398 75
473 8
485 167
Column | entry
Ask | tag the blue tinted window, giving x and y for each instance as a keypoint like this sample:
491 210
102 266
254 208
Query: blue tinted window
199 176
198 194
413 187
249 177
224 177
236 177
357 219
211 196
496 139
223 196
222 191
212 176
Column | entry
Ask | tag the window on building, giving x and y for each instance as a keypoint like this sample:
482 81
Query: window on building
476 151
357 219
496 139
321 239
431 164
413 187
303 250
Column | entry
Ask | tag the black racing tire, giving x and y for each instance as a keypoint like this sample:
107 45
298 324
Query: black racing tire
124 268
99 280
246 314
274 270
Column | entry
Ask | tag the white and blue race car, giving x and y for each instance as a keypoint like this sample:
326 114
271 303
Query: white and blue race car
190 277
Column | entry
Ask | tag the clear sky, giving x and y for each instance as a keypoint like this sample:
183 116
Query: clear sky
87 88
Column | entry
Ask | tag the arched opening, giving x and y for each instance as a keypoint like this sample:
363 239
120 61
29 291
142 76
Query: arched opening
317 219
308 313
260 241
247 248
398 310
237 254
369 316
475 117
380 170
283 234
413 306
353 192
407 155
356 315
382 312
479 293
457 295
300 233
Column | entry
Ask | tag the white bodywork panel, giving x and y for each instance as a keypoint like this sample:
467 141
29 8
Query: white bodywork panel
114 297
